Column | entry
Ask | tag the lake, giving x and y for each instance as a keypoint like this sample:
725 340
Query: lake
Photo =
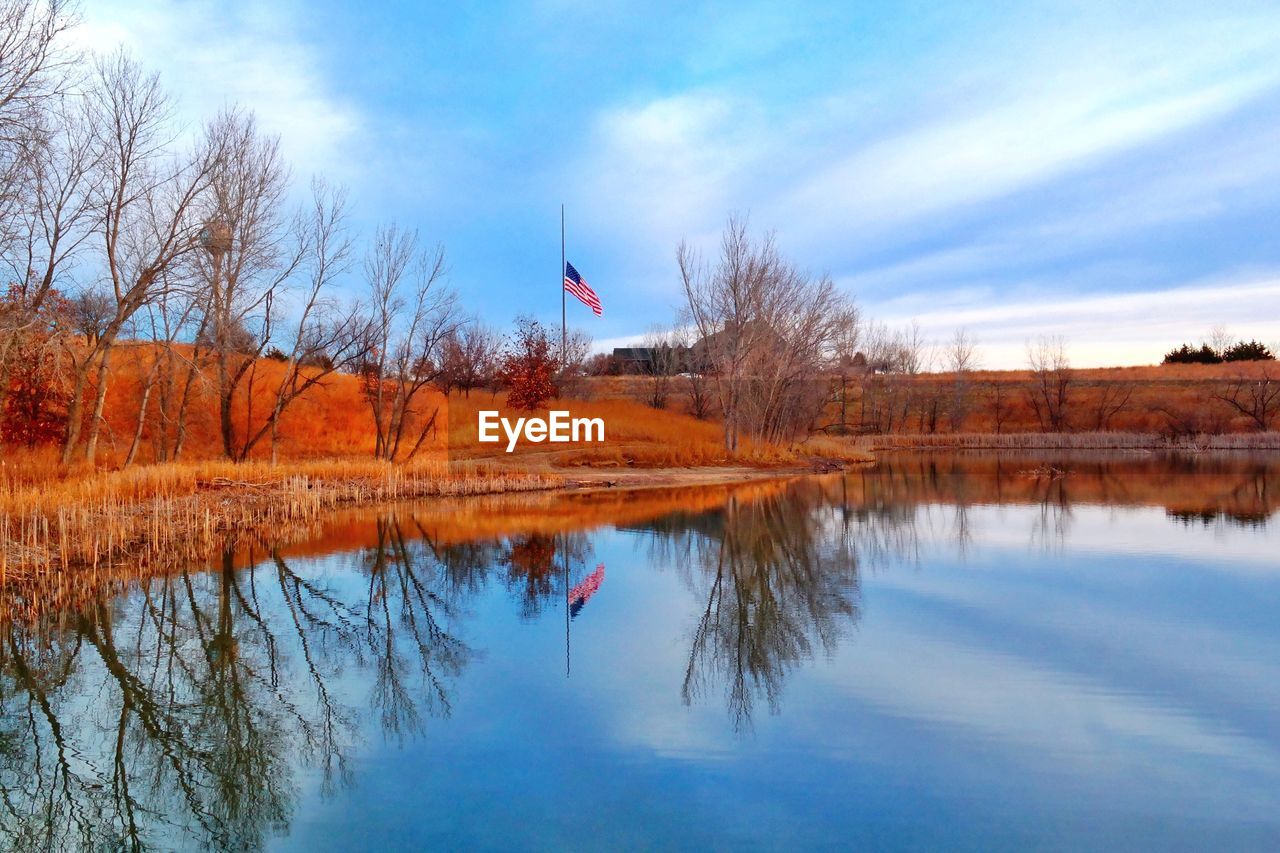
969 651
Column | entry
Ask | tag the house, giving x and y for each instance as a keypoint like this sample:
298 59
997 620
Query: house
671 359
654 360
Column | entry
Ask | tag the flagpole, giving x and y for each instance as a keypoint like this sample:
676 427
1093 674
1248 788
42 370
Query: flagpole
564 538
564 334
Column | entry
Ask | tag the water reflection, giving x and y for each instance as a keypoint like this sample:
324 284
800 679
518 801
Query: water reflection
196 705
188 708
775 582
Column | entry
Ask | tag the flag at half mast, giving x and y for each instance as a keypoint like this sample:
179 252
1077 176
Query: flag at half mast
581 291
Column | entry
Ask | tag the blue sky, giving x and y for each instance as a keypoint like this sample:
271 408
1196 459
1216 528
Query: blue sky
1107 172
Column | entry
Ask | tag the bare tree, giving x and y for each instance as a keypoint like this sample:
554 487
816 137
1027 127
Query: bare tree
696 382
470 353
253 248
36 69
325 338
1220 339
962 353
661 368
845 354
146 203
572 363
930 396
1257 398
962 359
177 314
165 319
1001 405
49 227
878 347
1199 417
1049 391
767 329
912 353
879 402
1112 399
411 315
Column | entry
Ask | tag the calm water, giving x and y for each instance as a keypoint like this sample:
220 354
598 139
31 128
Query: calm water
965 652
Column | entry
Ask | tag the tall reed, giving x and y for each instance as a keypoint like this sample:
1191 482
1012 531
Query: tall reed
163 513
1071 441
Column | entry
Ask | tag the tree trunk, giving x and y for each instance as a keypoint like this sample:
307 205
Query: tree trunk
95 423
225 426
180 434
430 426
142 419
75 410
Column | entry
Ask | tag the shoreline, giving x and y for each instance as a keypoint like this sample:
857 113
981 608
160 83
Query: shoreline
1070 441
145 518
150 516
592 480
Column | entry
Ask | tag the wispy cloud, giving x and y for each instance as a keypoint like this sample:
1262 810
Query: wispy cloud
1028 117
1016 133
214 54
1103 330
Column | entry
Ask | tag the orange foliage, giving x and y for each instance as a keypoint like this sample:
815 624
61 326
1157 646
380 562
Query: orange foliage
1161 398
528 366
331 419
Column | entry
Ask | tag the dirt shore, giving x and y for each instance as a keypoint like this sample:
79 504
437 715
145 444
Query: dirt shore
185 512
645 478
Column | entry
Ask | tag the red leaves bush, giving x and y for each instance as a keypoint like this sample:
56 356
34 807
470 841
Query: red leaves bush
528 366
35 393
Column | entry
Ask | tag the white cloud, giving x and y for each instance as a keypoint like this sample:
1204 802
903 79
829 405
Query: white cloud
668 165
1005 147
844 178
841 175
1101 330
214 54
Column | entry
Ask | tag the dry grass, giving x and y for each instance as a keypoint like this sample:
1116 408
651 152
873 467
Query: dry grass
637 436
163 513
1158 396
332 419
1071 441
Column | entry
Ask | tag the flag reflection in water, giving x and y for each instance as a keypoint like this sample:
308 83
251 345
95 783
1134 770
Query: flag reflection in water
581 594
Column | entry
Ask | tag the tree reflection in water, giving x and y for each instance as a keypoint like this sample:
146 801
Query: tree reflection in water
778 580
535 567
185 710
189 708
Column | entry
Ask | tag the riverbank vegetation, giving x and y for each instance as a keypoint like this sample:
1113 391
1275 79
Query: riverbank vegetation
174 512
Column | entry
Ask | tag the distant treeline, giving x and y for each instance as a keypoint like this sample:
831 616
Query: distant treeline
1209 354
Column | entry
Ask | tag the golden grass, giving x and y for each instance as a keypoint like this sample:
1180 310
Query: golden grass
162 513
636 435
1070 441
1153 389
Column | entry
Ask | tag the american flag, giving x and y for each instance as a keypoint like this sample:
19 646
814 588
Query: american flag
581 594
574 284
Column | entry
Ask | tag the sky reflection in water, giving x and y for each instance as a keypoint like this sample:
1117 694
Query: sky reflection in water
942 650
